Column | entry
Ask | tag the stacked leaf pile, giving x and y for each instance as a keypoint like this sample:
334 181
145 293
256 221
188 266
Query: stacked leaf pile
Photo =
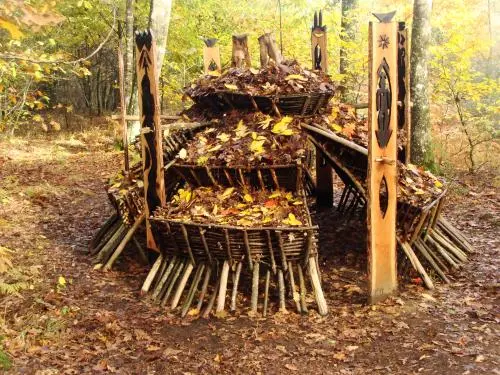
212 205
287 78
247 140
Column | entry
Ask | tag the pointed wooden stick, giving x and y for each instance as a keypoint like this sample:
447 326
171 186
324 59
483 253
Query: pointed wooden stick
266 292
316 284
452 236
255 287
163 278
281 284
115 239
102 231
107 236
211 302
192 290
443 252
182 285
459 254
416 264
222 287
295 295
235 286
171 282
151 275
204 288
433 254
124 242
303 291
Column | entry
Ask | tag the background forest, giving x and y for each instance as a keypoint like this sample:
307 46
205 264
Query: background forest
58 65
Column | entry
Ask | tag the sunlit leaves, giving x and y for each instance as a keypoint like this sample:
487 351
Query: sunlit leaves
13 29
281 127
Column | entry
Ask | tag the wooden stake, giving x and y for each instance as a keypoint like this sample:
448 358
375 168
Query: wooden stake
172 282
255 287
193 289
182 285
235 286
295 294
204 288
316 284
266 292
241 55
164 277
222 287
303 291
151 275
281 284
382 155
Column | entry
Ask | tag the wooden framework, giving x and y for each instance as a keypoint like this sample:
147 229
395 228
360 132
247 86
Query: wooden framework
382 156
324 172
151 135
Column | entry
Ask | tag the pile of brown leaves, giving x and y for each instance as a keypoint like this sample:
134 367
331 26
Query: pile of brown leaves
417 186
230 206
287 78
249 139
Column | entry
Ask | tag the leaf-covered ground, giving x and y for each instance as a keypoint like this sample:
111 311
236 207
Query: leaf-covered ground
74 320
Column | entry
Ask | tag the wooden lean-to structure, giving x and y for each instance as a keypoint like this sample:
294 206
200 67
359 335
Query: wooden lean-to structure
231 225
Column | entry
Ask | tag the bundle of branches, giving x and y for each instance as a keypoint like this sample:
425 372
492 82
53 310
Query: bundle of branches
215 205
126 192
286 78
248 139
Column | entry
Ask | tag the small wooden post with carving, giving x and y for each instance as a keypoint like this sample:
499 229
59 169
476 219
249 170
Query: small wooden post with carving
211 56
382 156
151 136
324 173
241 55
404 110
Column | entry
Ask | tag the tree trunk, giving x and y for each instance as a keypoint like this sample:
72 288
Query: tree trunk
421 137
348 26
159 21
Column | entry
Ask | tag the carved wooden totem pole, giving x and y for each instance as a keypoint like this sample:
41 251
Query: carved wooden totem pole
324 173
269 50
241 55
151 136
404 114
382 155
211 56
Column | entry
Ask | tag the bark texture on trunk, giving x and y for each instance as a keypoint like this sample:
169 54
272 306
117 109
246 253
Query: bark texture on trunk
421 137
348 27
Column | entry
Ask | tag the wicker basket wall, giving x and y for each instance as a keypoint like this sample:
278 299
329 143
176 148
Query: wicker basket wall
294 104
217 243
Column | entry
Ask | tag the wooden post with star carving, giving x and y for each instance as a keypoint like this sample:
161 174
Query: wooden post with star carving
382 156
211 56
151 136
324 172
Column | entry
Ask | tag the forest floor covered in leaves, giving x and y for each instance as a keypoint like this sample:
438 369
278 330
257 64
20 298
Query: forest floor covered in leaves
74 320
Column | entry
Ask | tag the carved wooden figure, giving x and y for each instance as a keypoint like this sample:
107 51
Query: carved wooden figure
404 114
151 135
241 55
318 43
382 156
269 50
211 56
324 173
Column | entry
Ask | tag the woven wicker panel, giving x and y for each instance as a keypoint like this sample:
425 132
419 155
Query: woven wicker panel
289 177
297 104
229 243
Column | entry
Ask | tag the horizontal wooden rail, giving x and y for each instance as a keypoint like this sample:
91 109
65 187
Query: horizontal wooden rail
137 118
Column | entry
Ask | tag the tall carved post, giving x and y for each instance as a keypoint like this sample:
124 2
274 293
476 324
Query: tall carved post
382 156
241 55
324 173
404 110
151 136
269 50
211 56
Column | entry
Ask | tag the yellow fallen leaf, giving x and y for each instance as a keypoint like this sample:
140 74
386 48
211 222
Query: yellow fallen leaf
202 160
297 77
13 30
193 312
61 281
337 128
438 184
215 148
257 147
292 220
248 198
254 71
214 73
264 124
182 154
227 193
223 137
281 127
230 86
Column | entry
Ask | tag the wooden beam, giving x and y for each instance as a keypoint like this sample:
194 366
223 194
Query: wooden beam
382 158
151 137
404 110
